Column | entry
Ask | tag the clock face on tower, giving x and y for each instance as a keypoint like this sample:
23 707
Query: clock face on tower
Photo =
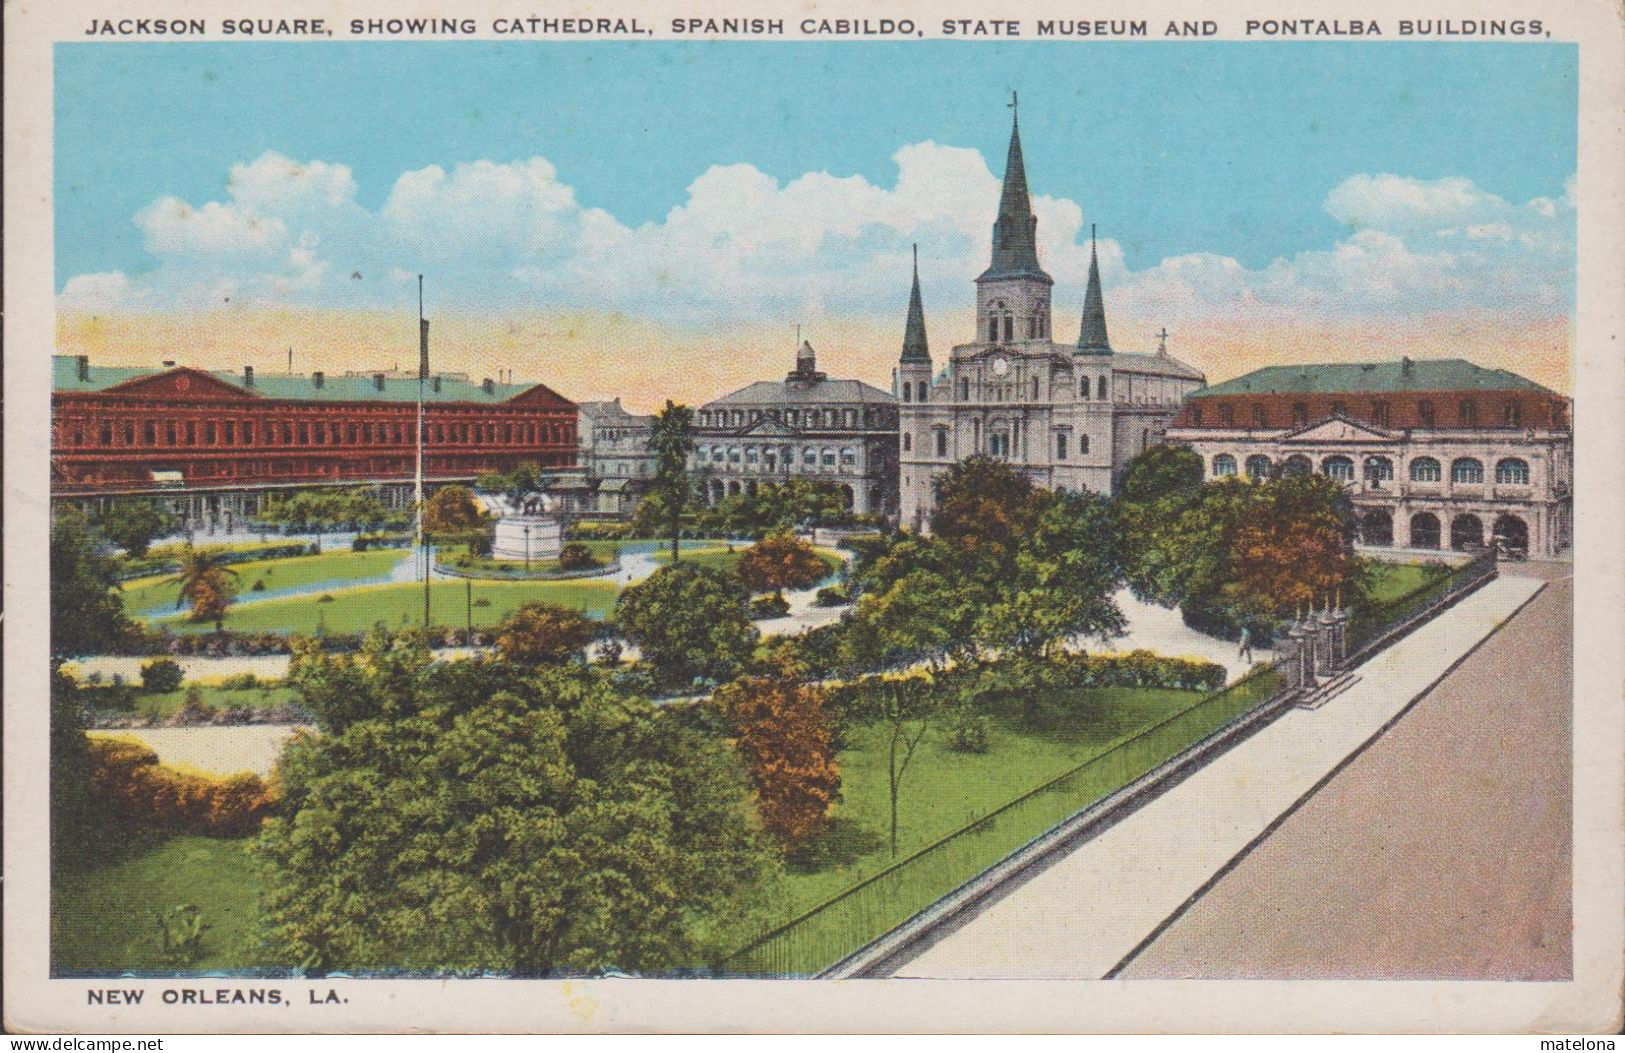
1001 365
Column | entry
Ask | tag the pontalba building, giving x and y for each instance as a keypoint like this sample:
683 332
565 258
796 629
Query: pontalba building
212 444
1069 416
1435 453
842 432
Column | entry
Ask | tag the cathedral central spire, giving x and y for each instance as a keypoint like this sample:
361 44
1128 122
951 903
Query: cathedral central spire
1015 232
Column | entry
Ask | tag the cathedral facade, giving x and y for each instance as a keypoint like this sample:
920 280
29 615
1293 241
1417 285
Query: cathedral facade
1069 416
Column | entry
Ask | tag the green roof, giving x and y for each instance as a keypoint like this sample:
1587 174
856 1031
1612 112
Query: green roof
1423 374
298 387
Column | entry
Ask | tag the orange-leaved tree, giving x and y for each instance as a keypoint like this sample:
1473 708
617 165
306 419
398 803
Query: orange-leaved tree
781 561
543 634
782 730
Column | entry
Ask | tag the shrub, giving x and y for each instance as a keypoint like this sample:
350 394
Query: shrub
770 606
577 556
244 681
180 934
126 777
161 675
967 731
833 596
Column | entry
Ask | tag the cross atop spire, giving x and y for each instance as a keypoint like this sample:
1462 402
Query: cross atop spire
915 348
1162 341
1092 338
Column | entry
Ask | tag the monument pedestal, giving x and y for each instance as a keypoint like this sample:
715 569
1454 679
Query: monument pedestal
527 537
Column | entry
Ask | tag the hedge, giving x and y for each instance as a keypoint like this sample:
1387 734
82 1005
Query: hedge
127 778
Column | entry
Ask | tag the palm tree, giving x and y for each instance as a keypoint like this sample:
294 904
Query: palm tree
671 441
206 581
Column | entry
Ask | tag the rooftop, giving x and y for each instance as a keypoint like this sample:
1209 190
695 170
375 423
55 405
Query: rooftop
1425 374
782 393
352 387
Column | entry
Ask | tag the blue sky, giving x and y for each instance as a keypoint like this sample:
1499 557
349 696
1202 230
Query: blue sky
1226 148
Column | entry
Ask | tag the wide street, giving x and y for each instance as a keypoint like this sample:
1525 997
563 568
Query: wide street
1442 851
1436 852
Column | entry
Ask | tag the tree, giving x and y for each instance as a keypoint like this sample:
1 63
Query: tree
671 440
522 479
453 510
87 611
779 562
207 582
920 600
903 705
543 634
132 522
690 622
783 731
984 507
1160 471
527 822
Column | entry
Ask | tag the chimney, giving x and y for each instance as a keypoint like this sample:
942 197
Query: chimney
378 381
487 385
317 378
435 383
248 376
84 367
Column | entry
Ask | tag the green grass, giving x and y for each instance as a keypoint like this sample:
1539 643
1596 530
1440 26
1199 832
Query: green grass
1024 785
143 594
1386 582
215 697
103 917
359 608
717 556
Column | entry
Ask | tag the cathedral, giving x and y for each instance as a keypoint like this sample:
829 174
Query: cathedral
1069 416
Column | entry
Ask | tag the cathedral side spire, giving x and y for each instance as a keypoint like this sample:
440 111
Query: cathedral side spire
1015 232
1092 339
915 348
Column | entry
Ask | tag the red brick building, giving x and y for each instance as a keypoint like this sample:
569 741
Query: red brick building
212 444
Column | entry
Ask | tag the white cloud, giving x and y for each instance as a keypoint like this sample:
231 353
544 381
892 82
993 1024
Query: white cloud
502 235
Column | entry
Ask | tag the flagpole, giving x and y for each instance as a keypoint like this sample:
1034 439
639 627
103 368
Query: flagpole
422 538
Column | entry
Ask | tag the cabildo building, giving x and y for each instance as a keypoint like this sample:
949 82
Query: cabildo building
1436 453
211 445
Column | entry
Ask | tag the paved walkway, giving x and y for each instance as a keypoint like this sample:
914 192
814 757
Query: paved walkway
1443 851
1090 909
220 749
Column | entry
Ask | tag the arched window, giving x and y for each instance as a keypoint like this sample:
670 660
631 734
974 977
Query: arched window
964 389
1035 389
809 457
1424 413
1258 467
733 455
1100 391
1260 417
1083 388
993 329
942 442
923 389
1009 328
908 391
1426 470
1466 470
1378 469
1467 413
828 456
1224 466
1297 464
1512 471
1512 414
751 456
849 456
908 442
1339 468
1300 413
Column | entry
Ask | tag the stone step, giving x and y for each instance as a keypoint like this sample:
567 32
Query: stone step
1328 690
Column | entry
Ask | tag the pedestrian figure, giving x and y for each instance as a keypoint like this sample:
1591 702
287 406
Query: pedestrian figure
1245 652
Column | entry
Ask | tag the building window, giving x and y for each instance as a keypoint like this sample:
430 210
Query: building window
998 444
1424 413
1009 328
993 330
908 442
1227 414
1083 445
849 456
1060 445
908 392
1340 409
1379 414
1466 470
1512 471
191 433
1260 417
1101 389
1258 467
1224 466
1426 470
942 442
1468 413
169 433
809 457
751 456
1196 413
1512 414
1032 327
922 391
1300 413
210 436
1339 468
828 456
1083 388
149 433
1378 469
1296 465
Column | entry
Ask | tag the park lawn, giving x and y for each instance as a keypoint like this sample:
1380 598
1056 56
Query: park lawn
103 917
144 594
216 697
361 607
1386 582
944 790
717 556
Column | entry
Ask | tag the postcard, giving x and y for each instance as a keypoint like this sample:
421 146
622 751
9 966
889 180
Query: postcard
769 517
